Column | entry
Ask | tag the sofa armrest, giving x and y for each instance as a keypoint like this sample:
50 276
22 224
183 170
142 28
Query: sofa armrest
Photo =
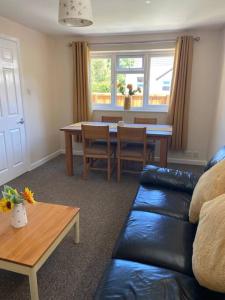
170 178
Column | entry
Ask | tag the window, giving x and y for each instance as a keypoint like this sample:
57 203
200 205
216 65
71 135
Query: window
161 70
136 80
130 71
150 75
125 63
101 81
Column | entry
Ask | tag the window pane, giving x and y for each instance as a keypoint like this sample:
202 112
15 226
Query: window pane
136 81
161 71
130 63
101 80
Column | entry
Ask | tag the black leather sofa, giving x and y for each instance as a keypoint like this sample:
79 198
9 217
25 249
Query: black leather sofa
152 257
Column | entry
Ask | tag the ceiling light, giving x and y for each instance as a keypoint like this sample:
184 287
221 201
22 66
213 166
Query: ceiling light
75 13
147 1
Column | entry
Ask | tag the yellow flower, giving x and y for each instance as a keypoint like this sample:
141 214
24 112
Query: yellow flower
6 205
28 195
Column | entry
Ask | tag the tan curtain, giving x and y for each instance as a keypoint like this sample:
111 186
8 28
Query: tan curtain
180 92
81 97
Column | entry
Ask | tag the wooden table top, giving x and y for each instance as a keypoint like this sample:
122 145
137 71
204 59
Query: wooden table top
26 245
151 129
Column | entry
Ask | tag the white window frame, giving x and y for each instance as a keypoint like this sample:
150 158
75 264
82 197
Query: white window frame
145 70
130 70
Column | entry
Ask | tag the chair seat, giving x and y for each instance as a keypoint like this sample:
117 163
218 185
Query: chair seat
97 149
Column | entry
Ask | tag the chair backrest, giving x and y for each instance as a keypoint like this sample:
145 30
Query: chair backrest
131 134
138 120
90 132
111 119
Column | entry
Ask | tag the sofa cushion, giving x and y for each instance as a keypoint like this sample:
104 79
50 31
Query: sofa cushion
156 239
131 280
210 185
163 201
209 245
220 155
169 178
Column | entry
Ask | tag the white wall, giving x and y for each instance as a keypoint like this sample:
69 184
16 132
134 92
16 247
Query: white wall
218 129
48 85
204 91
39 104
203 88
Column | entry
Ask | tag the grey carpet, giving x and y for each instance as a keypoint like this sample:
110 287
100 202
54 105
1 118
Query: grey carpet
73 271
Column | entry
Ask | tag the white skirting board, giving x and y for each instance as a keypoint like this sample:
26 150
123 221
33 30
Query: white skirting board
44 160
36 164
80 153
172 160
185 161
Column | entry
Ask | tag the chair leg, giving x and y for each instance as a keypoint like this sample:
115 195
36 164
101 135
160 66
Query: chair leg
152 156
144 162
114 158
115 151
118 169
108 168
91 162
85 167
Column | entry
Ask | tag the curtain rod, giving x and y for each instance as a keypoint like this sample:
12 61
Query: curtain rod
197 39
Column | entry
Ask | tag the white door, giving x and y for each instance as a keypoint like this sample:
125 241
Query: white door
12 131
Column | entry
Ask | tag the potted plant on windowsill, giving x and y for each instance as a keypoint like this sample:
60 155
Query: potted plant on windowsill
128 96
14 201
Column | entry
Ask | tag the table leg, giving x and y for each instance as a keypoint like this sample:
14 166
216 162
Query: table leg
33 285
69 153
163 152
77 230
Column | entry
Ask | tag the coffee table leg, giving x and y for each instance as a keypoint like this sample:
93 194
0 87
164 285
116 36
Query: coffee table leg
77 230
33 285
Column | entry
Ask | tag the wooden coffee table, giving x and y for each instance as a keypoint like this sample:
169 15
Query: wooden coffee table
26 249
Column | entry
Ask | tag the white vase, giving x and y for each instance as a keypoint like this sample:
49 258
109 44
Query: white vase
19 216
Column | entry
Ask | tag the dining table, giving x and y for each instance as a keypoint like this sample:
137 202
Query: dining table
156 132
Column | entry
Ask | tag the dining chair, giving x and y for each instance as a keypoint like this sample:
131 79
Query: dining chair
112 119
93 151
150 143
126 135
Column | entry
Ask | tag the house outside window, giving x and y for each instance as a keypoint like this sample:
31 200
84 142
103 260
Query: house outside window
149 73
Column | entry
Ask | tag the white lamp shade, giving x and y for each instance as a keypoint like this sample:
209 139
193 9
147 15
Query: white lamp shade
77 13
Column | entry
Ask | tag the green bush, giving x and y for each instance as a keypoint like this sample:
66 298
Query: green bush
101 87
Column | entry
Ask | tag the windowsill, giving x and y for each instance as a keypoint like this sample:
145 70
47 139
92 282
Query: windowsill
161 109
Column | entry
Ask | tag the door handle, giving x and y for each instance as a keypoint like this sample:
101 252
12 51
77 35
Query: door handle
21 121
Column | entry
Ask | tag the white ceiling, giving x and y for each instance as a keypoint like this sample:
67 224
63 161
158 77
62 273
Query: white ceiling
119 16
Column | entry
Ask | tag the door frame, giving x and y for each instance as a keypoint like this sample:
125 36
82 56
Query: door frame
22 91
